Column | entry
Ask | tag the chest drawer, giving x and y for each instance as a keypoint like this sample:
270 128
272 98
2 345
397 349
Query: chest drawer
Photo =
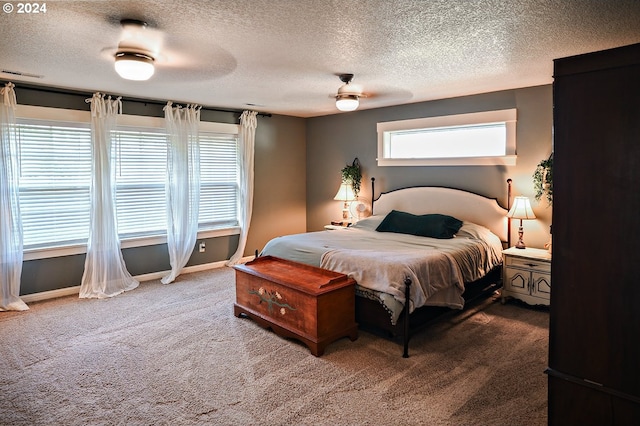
531 264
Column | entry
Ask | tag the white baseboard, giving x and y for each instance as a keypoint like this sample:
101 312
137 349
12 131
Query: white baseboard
51 294
69 291
186 270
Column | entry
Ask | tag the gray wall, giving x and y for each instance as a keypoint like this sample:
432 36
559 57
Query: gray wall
334 141
297 172
279 199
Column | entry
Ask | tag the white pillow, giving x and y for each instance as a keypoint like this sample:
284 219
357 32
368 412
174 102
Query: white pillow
473 230
370 223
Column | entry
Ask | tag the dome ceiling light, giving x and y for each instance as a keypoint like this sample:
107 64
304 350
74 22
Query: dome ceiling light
134 66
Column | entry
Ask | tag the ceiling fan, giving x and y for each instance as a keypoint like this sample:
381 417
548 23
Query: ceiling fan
349 94
147 48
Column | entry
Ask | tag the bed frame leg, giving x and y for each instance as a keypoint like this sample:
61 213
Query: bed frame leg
405 332
509 181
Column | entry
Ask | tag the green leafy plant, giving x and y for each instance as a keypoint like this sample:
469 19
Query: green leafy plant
353 173
543 180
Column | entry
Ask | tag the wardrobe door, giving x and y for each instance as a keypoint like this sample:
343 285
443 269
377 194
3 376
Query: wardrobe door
594 335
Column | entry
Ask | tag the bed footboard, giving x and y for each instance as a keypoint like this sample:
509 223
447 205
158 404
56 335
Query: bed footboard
372 317
406 322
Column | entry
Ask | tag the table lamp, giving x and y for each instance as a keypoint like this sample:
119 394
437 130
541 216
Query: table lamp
345 194
521 209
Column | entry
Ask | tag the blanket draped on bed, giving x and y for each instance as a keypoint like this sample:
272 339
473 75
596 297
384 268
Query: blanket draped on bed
430 271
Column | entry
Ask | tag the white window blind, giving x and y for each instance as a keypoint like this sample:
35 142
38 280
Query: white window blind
141 162
55 176
218 180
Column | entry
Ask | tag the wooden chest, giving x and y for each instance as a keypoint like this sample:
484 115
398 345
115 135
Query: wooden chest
313 305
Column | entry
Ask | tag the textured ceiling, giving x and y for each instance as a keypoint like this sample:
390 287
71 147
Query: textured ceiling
283 56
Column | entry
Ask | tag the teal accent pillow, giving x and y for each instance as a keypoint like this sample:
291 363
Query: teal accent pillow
426 225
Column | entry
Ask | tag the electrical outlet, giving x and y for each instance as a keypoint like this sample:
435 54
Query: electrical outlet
201 247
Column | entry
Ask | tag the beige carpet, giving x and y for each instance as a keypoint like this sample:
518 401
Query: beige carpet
176 355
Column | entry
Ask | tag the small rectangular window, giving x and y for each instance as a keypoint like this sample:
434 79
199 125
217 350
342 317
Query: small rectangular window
483 138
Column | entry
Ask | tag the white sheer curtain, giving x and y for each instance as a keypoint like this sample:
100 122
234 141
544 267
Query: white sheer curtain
183 184
10 222
248 124
105 274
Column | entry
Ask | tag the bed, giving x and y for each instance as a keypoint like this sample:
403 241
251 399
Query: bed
441 248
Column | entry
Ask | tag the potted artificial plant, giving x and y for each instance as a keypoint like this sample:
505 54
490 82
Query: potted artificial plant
352 174
543 180
543 186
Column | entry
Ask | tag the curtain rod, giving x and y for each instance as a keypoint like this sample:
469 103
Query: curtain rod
136 100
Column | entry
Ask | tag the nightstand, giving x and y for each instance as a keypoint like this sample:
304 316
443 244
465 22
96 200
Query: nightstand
527 275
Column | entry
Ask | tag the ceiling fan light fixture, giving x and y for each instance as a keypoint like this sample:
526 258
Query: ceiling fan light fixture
347 102
347 99
134 66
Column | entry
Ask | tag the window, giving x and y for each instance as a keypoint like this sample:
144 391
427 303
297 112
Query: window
483 138
140 169
218 180
55 178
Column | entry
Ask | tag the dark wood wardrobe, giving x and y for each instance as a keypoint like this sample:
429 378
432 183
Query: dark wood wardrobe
594 334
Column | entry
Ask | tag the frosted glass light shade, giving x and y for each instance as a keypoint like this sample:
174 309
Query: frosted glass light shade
347 102
134 66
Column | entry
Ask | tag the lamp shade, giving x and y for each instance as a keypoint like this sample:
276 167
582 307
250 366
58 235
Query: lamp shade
521 209
345 193
134 66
